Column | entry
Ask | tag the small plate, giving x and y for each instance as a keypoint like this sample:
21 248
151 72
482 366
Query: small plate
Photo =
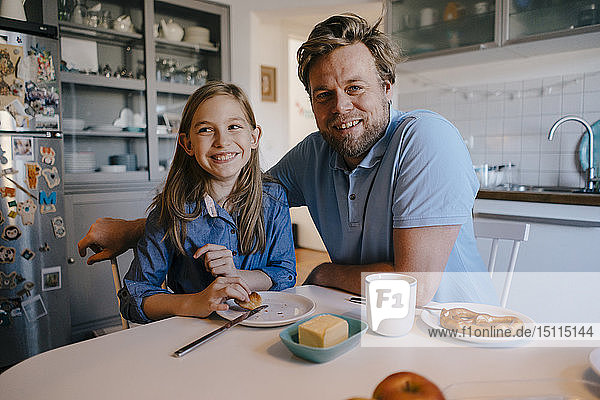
284 308
595 361
289 337
432 318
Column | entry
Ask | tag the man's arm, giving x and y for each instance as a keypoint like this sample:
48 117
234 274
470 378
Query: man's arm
109 237
420 252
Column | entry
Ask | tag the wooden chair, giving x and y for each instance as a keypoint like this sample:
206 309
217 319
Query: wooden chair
517 232
117 281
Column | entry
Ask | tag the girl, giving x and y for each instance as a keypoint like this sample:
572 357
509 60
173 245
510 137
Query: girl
217 230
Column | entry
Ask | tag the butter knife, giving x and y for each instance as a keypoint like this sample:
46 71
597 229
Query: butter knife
192 346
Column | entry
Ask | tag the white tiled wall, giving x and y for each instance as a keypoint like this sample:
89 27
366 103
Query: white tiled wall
509 122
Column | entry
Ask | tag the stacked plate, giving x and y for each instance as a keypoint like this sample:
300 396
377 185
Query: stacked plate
80 162
197 35
129 160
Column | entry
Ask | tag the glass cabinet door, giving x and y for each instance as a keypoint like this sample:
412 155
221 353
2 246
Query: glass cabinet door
188 46
531 19
103 90
427 26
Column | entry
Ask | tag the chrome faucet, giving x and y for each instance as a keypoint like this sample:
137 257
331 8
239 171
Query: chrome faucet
591 177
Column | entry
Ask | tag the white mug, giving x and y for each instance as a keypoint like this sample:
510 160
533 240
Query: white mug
429 16
481 7
391 300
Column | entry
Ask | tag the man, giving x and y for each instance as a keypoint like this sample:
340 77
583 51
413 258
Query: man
388 191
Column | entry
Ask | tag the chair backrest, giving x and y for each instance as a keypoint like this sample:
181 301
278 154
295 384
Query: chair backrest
517 232
117 281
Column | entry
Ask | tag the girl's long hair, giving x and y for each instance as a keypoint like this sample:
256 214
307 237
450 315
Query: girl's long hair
187 182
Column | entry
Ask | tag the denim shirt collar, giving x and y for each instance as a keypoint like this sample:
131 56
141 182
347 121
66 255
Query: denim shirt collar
375 153
211 209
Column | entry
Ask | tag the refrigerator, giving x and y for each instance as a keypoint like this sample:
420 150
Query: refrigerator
34 300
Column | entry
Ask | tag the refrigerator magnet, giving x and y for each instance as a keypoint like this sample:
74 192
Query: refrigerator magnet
1 217
8 281
7 255
33 172
28 254
3 159
51 278
6 191
26 210
58 226
48 155
47 202
11 232
34 308
12 214
44 248
22 148
51 176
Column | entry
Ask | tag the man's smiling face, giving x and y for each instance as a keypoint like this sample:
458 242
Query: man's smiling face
349 100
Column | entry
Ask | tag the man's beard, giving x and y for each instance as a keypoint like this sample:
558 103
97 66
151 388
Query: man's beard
353 147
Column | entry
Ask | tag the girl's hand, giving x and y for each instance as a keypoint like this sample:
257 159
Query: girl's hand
214 296
218 260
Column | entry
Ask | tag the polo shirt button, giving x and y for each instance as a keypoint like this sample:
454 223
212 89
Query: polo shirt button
234 253
232 231
352 196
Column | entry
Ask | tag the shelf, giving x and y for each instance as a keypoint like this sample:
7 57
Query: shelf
176 88
97 177
102 81
121 134
83 30
169 44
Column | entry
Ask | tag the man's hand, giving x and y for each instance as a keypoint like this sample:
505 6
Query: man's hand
218 260
109 237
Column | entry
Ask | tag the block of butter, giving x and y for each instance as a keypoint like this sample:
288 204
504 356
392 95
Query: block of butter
323 331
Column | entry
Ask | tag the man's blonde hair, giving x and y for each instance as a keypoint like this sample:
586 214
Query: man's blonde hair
343 30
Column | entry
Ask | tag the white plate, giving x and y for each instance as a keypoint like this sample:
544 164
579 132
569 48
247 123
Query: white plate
595 360
284 308
432 318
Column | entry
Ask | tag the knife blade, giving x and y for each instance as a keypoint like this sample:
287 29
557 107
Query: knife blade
192 346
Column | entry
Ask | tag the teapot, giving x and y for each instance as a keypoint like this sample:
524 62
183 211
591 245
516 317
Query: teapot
171 30
13 9
123 24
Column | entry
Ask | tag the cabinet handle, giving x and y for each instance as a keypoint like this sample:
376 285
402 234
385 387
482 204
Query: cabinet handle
70 260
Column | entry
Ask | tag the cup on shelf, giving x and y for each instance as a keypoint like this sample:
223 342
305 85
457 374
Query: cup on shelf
481 7
123 24
428 16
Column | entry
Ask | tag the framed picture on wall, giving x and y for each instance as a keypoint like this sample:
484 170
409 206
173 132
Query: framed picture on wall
268 83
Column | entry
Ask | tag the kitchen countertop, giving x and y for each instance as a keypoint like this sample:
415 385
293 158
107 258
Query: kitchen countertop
583 199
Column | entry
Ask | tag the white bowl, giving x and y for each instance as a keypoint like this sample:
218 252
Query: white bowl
113 168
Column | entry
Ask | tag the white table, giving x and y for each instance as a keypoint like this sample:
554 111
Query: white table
252 363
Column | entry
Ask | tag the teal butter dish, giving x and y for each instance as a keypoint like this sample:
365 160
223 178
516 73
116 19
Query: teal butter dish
289 337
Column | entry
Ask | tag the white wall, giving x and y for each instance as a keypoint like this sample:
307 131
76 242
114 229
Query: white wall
259 35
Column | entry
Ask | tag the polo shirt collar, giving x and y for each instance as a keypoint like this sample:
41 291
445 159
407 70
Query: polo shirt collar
375 153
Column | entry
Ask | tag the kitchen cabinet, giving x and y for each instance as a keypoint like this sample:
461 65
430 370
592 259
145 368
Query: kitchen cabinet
92 294
434 27
127 69
555 269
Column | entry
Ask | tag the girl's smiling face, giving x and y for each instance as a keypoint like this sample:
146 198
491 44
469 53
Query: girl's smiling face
221 139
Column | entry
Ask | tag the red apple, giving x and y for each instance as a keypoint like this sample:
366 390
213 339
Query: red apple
407 386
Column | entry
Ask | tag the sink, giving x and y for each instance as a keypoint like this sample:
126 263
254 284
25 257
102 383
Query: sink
538 189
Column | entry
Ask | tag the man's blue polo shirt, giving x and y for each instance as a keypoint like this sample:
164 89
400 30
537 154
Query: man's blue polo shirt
418 174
